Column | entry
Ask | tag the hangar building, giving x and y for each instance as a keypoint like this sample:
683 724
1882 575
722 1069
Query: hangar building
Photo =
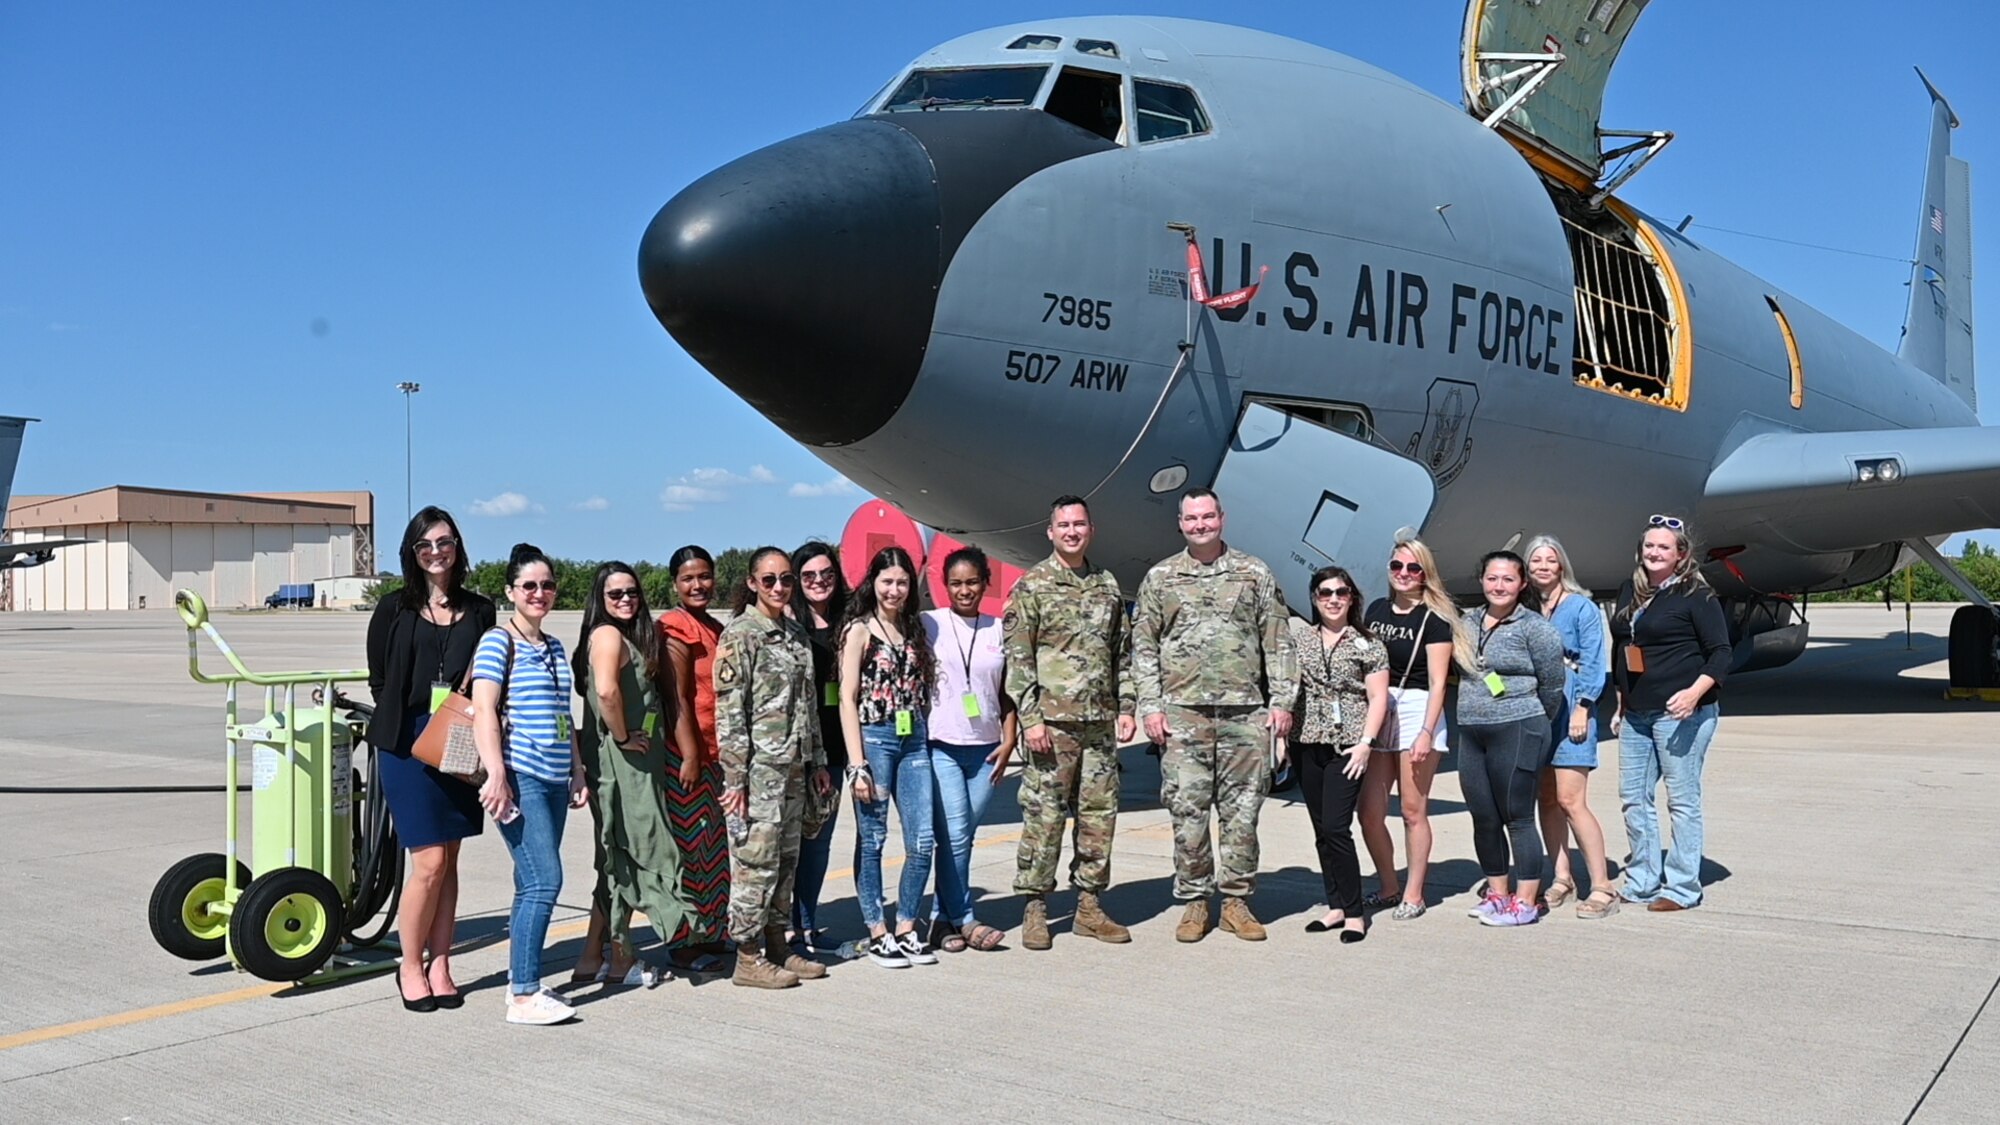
234 549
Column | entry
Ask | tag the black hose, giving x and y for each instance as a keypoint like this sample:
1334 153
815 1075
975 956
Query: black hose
378 859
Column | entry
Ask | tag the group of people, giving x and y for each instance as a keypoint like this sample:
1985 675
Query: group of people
714 747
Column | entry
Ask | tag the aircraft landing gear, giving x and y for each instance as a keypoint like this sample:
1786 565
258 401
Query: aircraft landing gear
1975 648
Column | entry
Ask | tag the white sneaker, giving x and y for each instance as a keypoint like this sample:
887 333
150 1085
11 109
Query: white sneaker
914 949
541 1009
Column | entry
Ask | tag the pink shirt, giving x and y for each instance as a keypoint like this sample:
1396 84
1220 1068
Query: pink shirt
970 658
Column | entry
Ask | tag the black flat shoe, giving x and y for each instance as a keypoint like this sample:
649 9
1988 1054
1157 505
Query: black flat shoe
424 1003
1322 926
1349 937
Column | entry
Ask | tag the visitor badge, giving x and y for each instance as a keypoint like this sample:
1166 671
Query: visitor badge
832 696
439 693
1495 684
652 723
1336 712
905 724
971 706
562 725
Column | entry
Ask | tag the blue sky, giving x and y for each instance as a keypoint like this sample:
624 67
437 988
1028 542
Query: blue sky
228 230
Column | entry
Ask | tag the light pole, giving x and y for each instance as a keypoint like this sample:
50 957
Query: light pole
408 389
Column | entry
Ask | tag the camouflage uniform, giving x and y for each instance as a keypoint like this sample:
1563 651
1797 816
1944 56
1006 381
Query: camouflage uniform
1209 648
767 730
1068 656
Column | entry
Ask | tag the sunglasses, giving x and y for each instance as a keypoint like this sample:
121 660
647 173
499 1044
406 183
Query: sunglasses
628 594
1671 523
433 546
772 581
816 577
532 587
1398 566
1334 592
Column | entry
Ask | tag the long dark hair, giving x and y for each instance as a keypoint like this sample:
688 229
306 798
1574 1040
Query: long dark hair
746 593
640 630
416 584
863 606
1354 620
836 606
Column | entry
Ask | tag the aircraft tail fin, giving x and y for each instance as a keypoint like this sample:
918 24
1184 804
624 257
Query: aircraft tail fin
1937 326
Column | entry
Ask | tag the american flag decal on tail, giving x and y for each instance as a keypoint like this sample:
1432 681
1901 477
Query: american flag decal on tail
1937 220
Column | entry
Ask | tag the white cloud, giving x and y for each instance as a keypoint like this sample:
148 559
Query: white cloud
505 504
594 504
836 486
710 486
680 497
761 475
724 478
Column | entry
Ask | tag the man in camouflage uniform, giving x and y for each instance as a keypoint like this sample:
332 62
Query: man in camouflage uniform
767 731
1068 648
1211 654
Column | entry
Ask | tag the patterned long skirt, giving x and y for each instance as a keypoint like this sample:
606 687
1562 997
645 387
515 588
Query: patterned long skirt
694 815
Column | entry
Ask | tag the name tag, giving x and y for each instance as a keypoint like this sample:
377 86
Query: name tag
971 706
1336 712
1635 660
439 693
832 696
562 725
1495 684
905 723
652 723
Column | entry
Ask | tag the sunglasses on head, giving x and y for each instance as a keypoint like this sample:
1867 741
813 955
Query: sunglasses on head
431 546
1398 566
1671 523
531 587
1334 592
628 594
772 581
825 574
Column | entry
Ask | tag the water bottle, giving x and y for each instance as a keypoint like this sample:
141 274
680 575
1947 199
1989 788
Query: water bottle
852 949
738 830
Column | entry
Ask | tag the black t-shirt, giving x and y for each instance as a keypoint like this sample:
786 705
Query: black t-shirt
443 654
1398 634
826 670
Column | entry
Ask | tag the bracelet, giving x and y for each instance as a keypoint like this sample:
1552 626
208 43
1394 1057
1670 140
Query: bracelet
852 772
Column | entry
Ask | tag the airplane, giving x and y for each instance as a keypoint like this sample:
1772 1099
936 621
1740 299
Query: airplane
1122 256
20 556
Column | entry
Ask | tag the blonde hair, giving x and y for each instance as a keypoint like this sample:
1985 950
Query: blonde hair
1434 597
1550 542
1687 570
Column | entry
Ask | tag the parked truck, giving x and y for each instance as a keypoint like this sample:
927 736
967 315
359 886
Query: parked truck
292 595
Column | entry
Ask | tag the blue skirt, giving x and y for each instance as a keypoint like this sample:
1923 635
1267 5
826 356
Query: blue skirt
427 806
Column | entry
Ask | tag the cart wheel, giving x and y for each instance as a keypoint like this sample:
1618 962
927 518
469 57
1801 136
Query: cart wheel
287 925
183 911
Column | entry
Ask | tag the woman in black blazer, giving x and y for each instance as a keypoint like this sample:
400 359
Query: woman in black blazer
420 643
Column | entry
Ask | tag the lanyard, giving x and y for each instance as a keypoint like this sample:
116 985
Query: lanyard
444 646
1326 652
542 657
970 646
1486 634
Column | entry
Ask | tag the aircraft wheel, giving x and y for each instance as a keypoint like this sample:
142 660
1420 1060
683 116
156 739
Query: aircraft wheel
183 913
287 925
1975 663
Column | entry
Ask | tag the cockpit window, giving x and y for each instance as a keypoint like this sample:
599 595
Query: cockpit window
1089 100
966 88
1165 111
1036 43
1103 48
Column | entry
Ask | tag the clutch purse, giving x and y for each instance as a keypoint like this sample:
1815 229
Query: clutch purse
446 743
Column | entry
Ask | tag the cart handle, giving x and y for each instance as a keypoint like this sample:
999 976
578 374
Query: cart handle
194 614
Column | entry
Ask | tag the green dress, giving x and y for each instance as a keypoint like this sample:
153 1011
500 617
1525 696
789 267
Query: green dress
638 862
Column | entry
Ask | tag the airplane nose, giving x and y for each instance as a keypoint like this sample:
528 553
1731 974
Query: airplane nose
804 276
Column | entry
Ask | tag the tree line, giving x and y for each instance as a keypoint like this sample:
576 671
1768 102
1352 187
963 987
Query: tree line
1979 564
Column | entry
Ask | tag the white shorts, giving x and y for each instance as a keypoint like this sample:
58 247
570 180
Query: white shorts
1406 718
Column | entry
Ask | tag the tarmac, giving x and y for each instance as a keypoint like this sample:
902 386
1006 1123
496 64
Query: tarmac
1839 970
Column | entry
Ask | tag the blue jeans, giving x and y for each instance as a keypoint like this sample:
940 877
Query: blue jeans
963 778
899 765
814 855
1650 747
535 841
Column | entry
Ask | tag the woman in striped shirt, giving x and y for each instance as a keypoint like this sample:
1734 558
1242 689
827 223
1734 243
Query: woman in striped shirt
533 774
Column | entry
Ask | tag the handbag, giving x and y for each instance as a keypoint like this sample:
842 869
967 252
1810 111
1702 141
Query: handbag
446 743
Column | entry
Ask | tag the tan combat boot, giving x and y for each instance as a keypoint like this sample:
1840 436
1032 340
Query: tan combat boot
805 968
1092 921
753 971
1194 921
1237 919
1035 924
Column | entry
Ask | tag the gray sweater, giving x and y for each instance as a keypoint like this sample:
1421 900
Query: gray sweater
1527 652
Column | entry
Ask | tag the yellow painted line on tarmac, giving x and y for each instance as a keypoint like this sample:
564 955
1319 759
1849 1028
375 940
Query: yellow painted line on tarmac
252 992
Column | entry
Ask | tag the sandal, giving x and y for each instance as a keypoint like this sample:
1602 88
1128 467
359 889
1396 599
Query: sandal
983 937
1559 892
945 937
1592 907
1376 900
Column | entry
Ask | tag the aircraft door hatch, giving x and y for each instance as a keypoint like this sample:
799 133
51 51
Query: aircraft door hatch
1300 495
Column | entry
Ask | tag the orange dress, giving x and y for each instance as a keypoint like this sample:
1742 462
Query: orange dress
694 813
